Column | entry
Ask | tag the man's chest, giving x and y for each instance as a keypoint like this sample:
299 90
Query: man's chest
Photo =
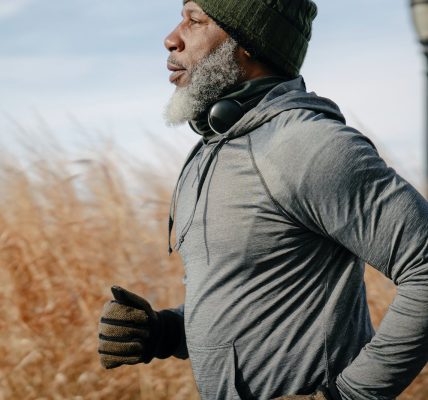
235 215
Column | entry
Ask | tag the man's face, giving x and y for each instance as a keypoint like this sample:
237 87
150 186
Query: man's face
196 36
204 64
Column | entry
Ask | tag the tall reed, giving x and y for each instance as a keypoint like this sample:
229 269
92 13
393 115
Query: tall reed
69 229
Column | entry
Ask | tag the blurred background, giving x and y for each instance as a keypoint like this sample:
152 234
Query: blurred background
87 166
102 66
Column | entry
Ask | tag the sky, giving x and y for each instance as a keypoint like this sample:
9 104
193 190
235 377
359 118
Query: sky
98 68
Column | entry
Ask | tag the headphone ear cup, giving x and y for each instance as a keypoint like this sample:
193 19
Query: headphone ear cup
224 114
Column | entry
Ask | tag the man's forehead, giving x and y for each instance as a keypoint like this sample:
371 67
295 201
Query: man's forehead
191 6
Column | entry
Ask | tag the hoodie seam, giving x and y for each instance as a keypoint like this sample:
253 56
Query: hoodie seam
275 203
326 357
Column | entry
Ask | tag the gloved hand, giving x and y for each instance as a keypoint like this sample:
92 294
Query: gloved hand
315 396
328 392
130 332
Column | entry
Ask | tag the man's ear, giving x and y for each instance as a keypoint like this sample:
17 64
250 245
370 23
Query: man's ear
252 67
244 58
243 54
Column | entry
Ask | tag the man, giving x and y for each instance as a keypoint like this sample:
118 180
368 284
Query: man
276 211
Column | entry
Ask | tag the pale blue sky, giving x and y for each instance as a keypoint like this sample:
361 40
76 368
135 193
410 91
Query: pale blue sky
102 62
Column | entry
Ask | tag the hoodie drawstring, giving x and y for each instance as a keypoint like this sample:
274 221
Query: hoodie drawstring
204 174
174 194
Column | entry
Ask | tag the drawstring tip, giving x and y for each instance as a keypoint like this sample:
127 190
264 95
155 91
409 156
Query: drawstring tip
169 250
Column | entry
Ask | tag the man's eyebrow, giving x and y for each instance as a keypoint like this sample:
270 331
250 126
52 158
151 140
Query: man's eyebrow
193 11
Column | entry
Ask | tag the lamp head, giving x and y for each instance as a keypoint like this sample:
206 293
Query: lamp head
420 19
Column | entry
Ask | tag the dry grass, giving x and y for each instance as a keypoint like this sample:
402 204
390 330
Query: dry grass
380 292
68 231
65 238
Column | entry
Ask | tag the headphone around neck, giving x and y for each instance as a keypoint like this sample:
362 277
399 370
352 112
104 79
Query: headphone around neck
227 112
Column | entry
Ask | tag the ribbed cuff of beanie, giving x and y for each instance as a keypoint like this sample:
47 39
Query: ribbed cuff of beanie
277 30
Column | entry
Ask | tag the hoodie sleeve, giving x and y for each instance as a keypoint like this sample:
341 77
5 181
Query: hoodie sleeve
344 190
176 326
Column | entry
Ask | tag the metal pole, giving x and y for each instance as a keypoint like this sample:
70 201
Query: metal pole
426 122
420 20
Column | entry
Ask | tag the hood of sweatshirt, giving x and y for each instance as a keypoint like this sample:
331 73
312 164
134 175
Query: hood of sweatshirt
283 97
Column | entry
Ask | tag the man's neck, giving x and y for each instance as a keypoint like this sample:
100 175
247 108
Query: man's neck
242 92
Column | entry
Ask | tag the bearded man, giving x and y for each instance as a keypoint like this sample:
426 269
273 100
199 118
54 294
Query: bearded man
276 211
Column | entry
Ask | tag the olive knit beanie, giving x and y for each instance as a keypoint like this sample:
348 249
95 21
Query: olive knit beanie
275 31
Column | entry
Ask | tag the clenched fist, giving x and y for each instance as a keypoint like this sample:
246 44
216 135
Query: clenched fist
316 396
324 392
130 332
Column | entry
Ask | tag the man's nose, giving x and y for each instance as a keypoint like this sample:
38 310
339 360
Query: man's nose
173 41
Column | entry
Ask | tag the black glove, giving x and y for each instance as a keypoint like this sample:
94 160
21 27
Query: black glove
130 332
324 392
330 391
315 396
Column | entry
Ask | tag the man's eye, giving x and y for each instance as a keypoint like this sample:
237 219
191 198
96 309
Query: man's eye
194 21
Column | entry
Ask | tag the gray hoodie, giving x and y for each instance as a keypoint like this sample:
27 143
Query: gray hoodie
274 221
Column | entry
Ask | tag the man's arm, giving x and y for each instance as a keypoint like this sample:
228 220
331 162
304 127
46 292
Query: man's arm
345 191
131 332
175 325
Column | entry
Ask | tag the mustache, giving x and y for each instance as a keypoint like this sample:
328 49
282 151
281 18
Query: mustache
175 62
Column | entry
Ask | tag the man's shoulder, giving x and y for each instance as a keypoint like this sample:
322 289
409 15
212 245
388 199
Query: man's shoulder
300 143
303 132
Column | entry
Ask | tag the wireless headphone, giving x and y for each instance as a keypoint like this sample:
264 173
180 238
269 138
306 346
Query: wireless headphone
227 112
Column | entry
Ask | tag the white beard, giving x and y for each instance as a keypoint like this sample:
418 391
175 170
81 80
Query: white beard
208 80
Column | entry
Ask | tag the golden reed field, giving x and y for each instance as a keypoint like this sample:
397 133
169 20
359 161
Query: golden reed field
68 231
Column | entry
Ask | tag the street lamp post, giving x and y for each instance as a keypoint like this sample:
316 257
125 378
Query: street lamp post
420 19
